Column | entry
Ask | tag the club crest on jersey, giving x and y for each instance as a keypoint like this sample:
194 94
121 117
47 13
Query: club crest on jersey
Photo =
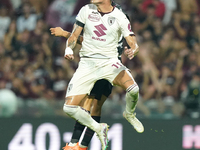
111 20
94 17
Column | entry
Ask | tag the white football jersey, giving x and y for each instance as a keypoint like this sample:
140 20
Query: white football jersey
102 31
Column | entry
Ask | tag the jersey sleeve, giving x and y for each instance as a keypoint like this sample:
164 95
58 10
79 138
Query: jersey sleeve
126 27
81 17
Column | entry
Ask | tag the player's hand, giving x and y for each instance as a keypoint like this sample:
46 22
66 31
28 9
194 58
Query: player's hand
128 52
69 57
57 31
69 54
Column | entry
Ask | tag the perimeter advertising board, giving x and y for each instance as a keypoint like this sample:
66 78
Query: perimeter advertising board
53 133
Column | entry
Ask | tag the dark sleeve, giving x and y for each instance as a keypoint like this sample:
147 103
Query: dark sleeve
80 23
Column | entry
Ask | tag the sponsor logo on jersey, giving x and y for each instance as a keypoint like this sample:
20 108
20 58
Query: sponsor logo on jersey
100 30
111 20
94 17
98 39
94 12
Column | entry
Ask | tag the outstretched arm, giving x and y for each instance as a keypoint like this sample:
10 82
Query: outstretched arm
134 48
58 31
71 42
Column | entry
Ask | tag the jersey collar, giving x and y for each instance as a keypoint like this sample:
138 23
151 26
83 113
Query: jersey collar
102 14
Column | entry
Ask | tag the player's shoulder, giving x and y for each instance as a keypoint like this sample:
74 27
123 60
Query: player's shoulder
90 6
117 6
119 12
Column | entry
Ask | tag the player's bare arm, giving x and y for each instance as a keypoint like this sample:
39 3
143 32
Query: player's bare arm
71 42
134 48
58 31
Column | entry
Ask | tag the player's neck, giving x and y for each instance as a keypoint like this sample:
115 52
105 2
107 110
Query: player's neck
105 7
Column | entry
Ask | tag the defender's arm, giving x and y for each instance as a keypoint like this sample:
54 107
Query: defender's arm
58 31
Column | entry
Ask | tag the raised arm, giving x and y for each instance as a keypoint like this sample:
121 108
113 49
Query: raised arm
58 31
71 42
134 48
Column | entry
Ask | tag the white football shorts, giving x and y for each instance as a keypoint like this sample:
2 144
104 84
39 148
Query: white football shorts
89 71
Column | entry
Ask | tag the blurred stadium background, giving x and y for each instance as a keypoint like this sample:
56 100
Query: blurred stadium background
34 76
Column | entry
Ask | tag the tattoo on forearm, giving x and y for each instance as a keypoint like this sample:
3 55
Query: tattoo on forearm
71 44
72 41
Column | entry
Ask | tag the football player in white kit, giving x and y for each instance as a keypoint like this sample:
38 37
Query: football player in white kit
102 25
99 93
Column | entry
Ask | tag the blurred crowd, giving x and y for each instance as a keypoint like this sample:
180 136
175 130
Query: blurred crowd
167 68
